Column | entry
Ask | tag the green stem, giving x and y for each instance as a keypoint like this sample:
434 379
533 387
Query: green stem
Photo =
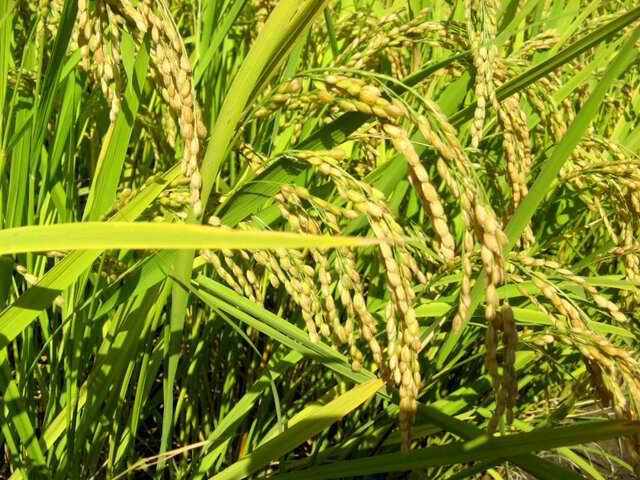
266 55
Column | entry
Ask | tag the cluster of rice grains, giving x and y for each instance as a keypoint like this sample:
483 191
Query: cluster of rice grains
485 54
389 37
482 240
607 178
313 287
331 288
611 369
337 292
491 73
98 33
604 175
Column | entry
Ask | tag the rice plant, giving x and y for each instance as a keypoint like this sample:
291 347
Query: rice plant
313 239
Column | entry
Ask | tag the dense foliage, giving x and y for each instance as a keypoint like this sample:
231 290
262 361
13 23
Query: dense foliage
419 250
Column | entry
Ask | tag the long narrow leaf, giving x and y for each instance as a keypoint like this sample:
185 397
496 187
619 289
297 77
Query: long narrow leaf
485 449
121 235
310 425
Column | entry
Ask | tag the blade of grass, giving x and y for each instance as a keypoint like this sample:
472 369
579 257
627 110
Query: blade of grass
214 45
24 310
142 235
242 408
102 194
309 425
18 416
480 449
52 76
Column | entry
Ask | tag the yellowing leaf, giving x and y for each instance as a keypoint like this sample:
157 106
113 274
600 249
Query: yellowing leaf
145 236
308 426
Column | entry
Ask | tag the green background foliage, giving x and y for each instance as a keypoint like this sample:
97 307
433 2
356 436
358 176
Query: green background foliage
127 352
